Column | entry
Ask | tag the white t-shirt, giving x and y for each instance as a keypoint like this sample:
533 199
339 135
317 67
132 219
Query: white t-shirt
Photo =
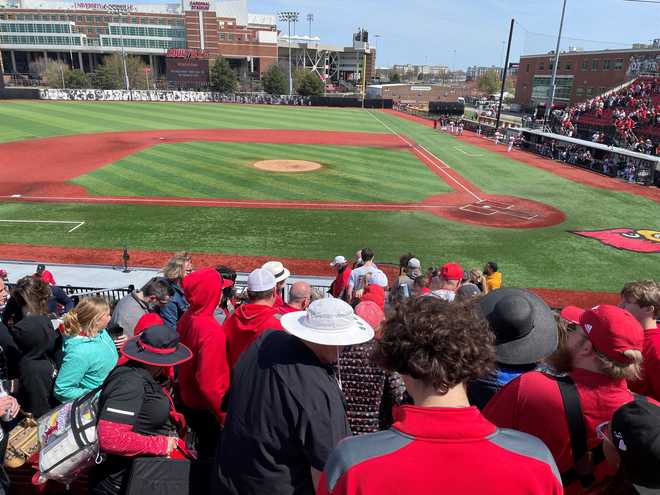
377 275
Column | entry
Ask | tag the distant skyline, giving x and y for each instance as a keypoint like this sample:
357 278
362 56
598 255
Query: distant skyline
428 31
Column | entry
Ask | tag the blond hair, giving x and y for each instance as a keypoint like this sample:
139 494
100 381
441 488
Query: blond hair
644 293
632 371
83 319
176 266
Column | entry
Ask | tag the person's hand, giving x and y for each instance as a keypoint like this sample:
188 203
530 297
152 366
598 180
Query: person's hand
9 403
120 341
358 294
172 442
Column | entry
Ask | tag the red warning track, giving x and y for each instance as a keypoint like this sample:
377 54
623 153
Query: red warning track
40 168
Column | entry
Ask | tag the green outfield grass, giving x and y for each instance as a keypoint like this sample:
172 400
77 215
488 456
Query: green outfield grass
224 170
551 257
32 119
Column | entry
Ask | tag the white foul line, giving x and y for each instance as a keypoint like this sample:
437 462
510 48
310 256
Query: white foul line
421 149
461 150
77 224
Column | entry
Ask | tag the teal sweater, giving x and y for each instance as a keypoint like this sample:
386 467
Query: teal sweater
87 363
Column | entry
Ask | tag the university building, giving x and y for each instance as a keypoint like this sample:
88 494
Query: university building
582 75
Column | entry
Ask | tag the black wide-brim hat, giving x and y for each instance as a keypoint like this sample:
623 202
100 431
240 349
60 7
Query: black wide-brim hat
157 345
524 326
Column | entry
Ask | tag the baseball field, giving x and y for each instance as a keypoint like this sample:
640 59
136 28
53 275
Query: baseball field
81 180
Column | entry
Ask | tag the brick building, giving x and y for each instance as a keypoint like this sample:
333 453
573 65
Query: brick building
582 75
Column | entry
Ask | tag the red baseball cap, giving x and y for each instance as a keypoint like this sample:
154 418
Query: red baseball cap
612 331
572 314
451 271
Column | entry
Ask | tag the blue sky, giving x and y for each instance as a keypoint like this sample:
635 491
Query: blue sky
428 31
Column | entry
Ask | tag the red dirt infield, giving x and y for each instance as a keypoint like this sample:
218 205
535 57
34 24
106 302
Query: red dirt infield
71 156
156 259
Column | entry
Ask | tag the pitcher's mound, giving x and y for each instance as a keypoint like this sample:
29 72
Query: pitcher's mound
286 165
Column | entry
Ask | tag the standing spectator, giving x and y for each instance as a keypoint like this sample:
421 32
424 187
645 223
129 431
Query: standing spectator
300 295
339 285
204 379
448 281
604 350
642 300
89 352
45 275
370 392
253 318
286 410
9 353
404 285
281 274
226 306
174 272
136 417
130 308
493 276
40 346
440 445
525 333
364 274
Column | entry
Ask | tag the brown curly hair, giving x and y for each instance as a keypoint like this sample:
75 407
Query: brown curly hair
439 343
32 293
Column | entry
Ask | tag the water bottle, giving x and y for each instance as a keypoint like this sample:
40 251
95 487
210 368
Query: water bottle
6 416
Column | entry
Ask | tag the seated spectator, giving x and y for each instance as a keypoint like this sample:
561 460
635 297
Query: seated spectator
174 272
441 444
89 352
286 410
130 308
604 350
226 306
366 272
39 344
340 283
136 417
448 281
300 295
631 444
525 333
642 300
281 274
370 392
253 318
421 286
493 276
403 286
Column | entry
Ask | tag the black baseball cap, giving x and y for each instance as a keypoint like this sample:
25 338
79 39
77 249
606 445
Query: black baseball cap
636 435
41 268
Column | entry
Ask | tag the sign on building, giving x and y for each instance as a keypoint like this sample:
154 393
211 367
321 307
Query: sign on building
187 53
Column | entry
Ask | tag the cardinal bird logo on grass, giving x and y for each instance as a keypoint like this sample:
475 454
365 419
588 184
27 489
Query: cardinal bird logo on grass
636 240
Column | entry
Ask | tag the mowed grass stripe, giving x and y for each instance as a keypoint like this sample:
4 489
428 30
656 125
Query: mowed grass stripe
84 117
211 169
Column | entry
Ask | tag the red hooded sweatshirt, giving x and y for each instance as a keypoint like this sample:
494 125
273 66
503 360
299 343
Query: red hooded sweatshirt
245 325
203 380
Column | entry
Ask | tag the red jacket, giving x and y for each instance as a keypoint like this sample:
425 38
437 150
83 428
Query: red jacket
245 325
204 380
341 282
431 450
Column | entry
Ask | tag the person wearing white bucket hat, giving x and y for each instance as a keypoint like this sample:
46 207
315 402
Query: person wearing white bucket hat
281 274
286 410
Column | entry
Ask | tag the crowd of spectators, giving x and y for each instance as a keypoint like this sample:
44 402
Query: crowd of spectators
632 110
442 379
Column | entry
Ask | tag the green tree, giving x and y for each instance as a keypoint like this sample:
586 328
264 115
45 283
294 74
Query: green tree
110 74
310 85
275 81
395 78
489 83
77 79
223 78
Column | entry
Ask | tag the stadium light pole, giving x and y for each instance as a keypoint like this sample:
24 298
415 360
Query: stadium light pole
310 19
553 86
504 70
289 17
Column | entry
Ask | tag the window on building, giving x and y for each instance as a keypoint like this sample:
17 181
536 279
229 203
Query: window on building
527 68
222 36
618 64
594 65
551 65
541 66
590 92
230 36
607 64
569 66
584 65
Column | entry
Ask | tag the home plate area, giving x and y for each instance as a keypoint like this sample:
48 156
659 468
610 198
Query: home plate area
490 207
